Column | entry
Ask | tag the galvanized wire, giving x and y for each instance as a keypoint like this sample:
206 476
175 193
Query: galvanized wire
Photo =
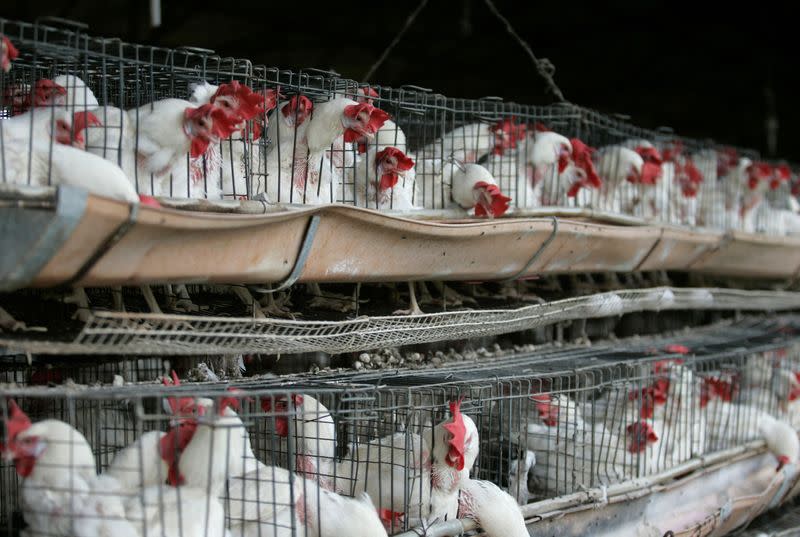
139 333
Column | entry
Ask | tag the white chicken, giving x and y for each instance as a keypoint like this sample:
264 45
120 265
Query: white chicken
730 424
454 448
61 493
473 187
175 512
467 143
151 144
43 163
273 501
314 439
384 176
760 177
720 205
518 472
549 154
333 119
78 95
153 459
619 167
496 511
577 181
281 174
21 97
219 448
238 154
454 494
394 471
385 180
40 125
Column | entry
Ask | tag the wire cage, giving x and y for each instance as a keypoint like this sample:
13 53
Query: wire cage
282 142
280 454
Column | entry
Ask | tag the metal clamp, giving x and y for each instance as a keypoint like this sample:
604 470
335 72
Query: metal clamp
107 244
788 471
536 254
302 257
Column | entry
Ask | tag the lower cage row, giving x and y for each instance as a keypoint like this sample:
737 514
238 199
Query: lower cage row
380 452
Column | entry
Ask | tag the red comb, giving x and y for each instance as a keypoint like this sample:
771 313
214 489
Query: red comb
16 423
726 159
499 204
724 389
582 156
281 421
233 401
271 97
250 104
298 104
662 366
507 133
641 433
81 120
366 95
647 395
404 163
794 390
266 402
783 172
458 432
150 201
11 52
180 406
649 154
222 126
757 172
675 348
673 150
695 176
548 412
391 519
45 89
377 118
651 173
540 127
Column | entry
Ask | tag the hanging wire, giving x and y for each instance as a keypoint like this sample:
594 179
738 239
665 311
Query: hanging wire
397 38
545 68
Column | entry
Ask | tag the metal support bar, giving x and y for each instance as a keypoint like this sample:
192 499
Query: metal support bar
302 257
536 254
107 244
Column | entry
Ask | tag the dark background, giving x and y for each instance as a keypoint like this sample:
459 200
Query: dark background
716 72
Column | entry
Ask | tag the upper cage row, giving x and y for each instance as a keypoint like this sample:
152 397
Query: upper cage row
187 123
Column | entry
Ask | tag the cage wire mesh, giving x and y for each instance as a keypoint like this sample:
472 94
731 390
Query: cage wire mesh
270 452
146 333
431 154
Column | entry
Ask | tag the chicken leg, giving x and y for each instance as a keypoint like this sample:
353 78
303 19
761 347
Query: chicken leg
276 308
244 295
413 308
81 301
331 301
178 299
450 297
150 299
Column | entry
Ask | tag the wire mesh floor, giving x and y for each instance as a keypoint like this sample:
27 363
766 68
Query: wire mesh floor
128 333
